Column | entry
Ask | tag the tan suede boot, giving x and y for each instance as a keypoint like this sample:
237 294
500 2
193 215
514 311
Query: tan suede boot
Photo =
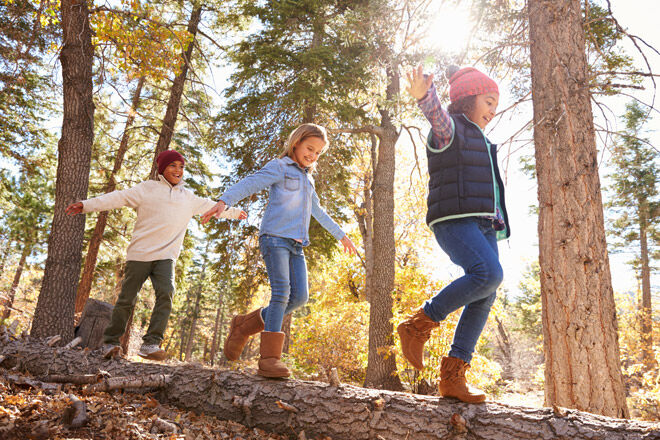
270 349
452 381
242 327
414 332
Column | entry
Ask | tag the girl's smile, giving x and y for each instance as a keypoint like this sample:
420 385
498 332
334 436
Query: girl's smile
485 107
307 151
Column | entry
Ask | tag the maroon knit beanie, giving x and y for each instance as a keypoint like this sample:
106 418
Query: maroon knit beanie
167 157
468 81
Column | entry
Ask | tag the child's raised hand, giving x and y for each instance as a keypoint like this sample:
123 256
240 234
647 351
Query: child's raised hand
74 208
215 212
348 245
419 83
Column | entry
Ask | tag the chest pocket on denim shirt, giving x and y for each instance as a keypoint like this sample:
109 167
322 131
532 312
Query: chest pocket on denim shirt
291 182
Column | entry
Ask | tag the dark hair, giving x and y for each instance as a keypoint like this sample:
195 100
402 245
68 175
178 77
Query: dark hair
463 105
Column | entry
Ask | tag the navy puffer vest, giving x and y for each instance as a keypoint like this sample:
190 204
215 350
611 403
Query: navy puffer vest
463 175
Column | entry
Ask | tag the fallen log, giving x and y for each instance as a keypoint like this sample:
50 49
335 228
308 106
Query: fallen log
305 409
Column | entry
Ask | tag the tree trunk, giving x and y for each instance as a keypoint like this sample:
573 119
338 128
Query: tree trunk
646 309
5 253
55 307
193 323
343 412
216 329
95 318
166 131
87 277
15 282
381 364
581 348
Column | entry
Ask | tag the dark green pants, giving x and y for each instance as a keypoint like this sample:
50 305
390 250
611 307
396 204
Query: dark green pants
161 273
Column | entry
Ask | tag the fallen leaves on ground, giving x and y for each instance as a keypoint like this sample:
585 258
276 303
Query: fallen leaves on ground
31 413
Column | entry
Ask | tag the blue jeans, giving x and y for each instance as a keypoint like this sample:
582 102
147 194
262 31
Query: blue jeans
470 243
287 272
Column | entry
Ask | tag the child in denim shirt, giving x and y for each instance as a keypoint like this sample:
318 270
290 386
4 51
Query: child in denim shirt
283 234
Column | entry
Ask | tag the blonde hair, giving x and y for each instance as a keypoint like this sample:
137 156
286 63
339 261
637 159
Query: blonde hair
300 134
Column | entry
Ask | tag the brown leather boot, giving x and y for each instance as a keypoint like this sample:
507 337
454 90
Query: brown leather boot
452 381
414 332
270 349
241 328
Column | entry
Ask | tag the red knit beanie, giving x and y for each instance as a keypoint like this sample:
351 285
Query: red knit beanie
167 157
468 81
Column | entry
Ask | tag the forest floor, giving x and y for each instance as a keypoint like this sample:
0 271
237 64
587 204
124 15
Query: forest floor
30 411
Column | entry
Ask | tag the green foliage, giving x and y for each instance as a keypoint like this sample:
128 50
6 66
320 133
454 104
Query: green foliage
634 191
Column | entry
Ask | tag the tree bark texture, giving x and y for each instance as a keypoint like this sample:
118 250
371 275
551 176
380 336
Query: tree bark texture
342 412
87 276
9 302
95 318
581 346
55 306
172 111
381 364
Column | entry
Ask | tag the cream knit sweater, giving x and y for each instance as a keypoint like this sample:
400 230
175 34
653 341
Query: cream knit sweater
163 214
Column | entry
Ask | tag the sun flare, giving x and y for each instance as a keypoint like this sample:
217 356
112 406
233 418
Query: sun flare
450 28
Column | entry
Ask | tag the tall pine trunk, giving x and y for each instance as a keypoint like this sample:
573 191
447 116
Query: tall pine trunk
381 364
87 277
581 345
646 309
55 307
167 129
27 248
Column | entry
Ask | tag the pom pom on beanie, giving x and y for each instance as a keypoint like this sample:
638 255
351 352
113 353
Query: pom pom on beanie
167 157
468 81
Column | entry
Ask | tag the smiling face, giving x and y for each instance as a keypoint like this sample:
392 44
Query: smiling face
174 172
484 109
307 151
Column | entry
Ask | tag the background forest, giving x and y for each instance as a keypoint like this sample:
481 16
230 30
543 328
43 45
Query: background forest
224 82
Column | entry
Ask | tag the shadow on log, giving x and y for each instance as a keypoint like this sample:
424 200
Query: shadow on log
342 412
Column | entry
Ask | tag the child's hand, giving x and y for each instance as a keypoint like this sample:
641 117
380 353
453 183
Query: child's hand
419 84
242 215
74 208
214 212
348 245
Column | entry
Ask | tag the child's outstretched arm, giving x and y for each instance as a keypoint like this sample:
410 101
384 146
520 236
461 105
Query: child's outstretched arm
115 199
203 204
329 225
251 184
422 89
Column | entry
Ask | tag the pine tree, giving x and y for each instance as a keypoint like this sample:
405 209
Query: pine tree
634 207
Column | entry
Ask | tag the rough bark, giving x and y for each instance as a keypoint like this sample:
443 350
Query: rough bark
55 307
341 412
381 364
581 348
95 318
9 302
87 276
167 129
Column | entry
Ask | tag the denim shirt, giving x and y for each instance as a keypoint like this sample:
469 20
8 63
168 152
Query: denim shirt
291 202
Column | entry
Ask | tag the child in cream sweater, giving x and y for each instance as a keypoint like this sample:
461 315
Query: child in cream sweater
164 209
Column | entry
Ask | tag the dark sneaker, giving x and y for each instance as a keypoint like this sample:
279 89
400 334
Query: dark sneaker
152 352
111 351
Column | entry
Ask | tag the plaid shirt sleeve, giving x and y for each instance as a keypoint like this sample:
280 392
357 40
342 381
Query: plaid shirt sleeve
437 116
